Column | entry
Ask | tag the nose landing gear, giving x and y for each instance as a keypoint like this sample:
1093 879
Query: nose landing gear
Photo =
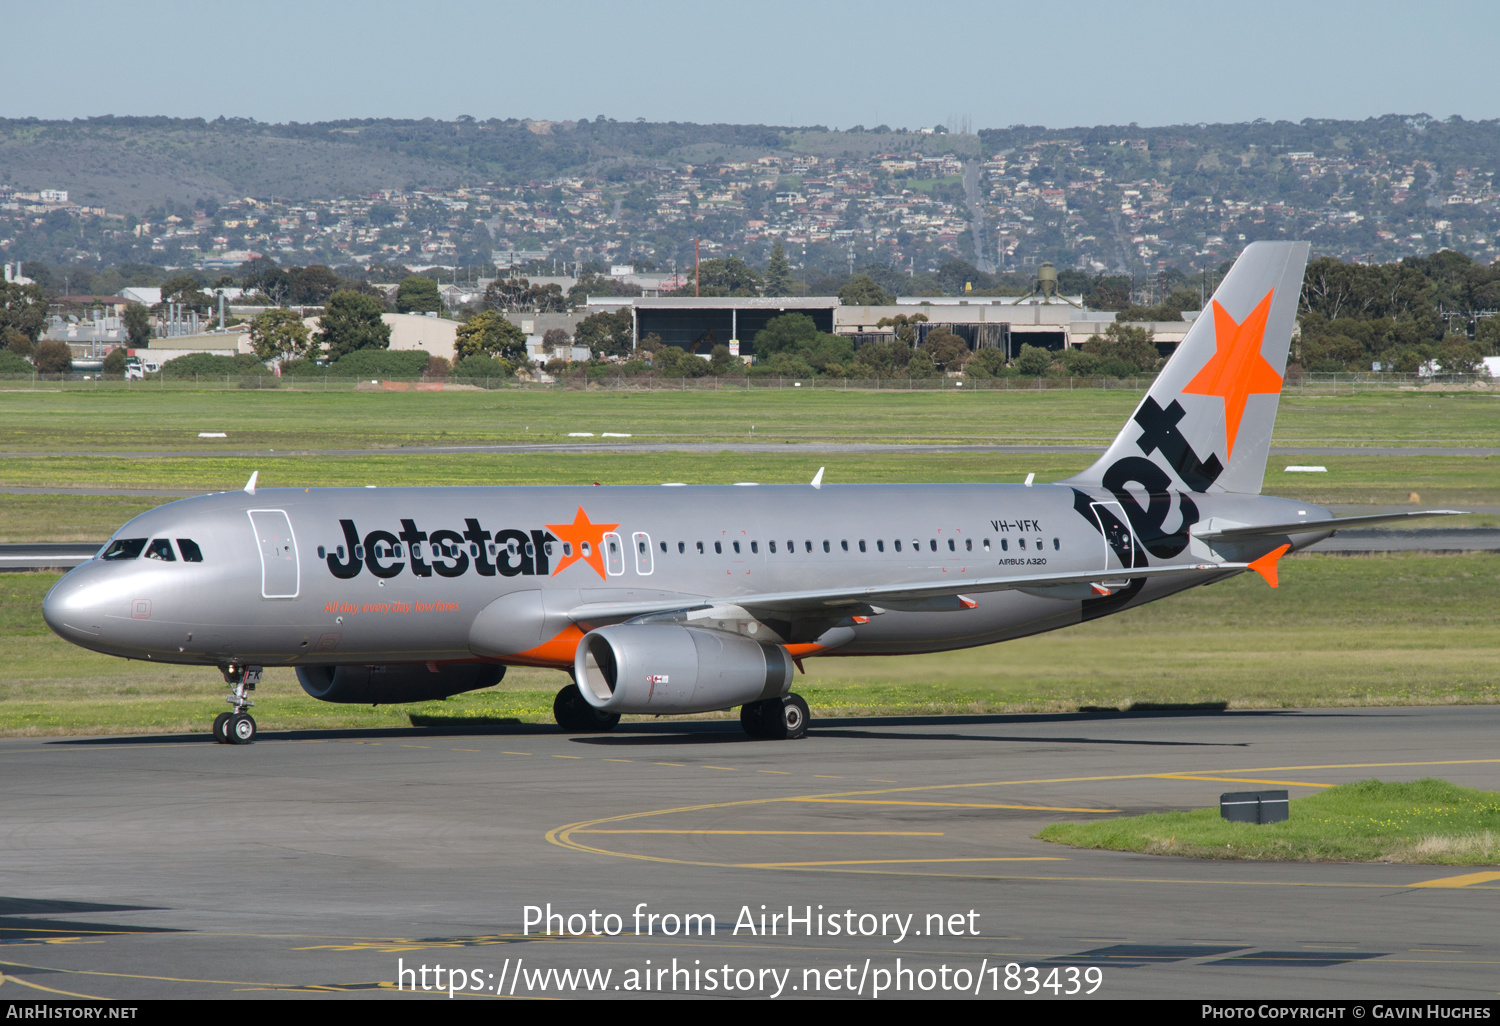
237 727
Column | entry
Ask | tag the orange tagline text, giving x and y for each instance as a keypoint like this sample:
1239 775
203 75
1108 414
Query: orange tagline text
391 607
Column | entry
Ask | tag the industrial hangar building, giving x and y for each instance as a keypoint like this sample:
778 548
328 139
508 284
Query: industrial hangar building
697 324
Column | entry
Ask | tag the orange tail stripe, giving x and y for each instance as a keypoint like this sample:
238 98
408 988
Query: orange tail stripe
1266 565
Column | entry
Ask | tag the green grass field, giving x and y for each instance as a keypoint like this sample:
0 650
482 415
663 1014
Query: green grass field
1456 482
63 424
1397 630
139 420
1428 821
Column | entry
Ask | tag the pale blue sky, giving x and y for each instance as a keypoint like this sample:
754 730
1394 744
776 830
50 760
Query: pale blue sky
764 61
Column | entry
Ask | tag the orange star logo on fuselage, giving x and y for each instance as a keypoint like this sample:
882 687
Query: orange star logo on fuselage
1237 370
583 541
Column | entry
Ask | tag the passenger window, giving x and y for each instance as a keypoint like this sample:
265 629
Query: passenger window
951 546
322 552
773 544
1056 545
933 543
124 548
968 544
664 546
1004 544
474 550
736 546
808 543
826 547
791 546
359 552
879 544
161 548
339 550
719 548
861 545
583 546
844 545
1040 545
682 547
755 546
546 547
898 544
700 548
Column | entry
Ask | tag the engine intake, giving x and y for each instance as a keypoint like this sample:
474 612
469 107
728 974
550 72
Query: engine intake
666 668
395 683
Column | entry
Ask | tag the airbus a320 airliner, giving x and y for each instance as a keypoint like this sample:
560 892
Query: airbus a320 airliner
662 599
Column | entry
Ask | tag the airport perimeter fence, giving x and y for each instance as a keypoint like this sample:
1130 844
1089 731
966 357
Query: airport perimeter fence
1303 383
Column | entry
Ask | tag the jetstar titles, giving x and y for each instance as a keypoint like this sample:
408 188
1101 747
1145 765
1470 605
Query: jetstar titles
447 553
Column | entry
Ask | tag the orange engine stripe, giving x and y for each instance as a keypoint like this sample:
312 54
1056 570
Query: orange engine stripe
558 652
555 653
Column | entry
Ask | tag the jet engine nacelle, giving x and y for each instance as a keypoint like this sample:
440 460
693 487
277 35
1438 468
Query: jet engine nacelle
395 683
666 668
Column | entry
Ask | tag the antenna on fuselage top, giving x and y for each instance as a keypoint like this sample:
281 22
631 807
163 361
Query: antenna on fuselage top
250 484
817 481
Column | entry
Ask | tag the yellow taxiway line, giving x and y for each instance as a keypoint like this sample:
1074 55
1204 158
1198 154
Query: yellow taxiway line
1466 880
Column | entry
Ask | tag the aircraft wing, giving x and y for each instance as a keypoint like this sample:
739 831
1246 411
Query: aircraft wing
1309 526
917 597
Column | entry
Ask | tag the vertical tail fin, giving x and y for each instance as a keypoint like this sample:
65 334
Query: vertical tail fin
1206 423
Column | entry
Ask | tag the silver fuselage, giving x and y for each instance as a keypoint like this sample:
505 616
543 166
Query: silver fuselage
430 561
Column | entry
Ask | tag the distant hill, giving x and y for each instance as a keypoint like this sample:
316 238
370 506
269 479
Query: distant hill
129 164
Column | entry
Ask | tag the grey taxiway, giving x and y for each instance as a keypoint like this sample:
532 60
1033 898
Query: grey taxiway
321 863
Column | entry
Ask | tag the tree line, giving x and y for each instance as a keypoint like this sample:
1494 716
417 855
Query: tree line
1437 310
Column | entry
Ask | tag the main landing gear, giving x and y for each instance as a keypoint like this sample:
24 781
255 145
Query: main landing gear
576 716
775 719
237 727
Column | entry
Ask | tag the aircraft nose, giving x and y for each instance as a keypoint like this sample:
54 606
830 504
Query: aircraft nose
70 611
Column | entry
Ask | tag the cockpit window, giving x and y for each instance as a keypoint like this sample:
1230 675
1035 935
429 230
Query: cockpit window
161 548
192 554
124 548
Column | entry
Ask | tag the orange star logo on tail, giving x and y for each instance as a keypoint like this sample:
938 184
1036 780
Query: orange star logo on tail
583 541
1237 370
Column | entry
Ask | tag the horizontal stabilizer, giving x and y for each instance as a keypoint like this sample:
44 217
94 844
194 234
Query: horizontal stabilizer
1311 526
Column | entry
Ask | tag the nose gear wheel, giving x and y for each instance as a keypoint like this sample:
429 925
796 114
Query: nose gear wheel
237 727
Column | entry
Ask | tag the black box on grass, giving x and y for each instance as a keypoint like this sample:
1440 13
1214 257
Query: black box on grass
1254 806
